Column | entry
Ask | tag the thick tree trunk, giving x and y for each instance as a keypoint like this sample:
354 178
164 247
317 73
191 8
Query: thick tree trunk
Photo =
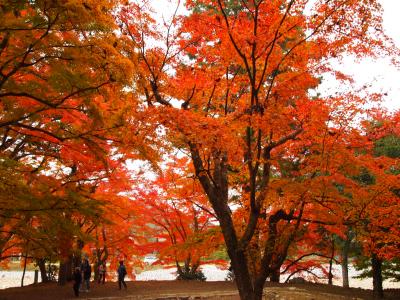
242 276
275 276
62 274
42 268
65 272
36 277
258 290
248 290
250 286
377 276
96 270
345 262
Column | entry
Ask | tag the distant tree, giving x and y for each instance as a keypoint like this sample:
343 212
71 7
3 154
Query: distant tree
377 230
179 221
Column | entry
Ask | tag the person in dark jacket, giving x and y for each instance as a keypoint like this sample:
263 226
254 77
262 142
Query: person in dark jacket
121 274
87 273
77 281
102 273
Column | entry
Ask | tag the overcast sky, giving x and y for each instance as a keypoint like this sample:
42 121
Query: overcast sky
381 75
391 18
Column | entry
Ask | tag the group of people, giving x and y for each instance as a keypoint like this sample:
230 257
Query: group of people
83 274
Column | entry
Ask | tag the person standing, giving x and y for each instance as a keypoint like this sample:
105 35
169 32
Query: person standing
102 273
87 273
121 274
77 281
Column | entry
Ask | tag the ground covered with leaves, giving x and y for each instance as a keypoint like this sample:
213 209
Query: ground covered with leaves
182 290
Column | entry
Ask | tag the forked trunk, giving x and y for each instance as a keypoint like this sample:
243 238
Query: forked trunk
217 193
247 292
249 288
242 278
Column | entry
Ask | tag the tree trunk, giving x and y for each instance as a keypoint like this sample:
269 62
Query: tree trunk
42 267
249 286
23 273
36 277
330 275
345 262
275 276
62 274
238 258
377 276
248 290
96 270
101 254
65 272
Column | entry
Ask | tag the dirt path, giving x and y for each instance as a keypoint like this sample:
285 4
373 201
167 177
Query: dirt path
150 290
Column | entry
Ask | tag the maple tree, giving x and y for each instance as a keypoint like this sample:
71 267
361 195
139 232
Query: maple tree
178 220
365 204
367 190
61 99
231 87
115 236
86 85
378 210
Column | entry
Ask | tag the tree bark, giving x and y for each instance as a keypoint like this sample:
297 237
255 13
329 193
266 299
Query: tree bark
345 262
240 268
216 187
36 277
65 272
42 268
377 276
23 273
330 275
62 274
275 276
96 269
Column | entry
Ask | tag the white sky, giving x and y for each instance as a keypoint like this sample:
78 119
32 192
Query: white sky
381 75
